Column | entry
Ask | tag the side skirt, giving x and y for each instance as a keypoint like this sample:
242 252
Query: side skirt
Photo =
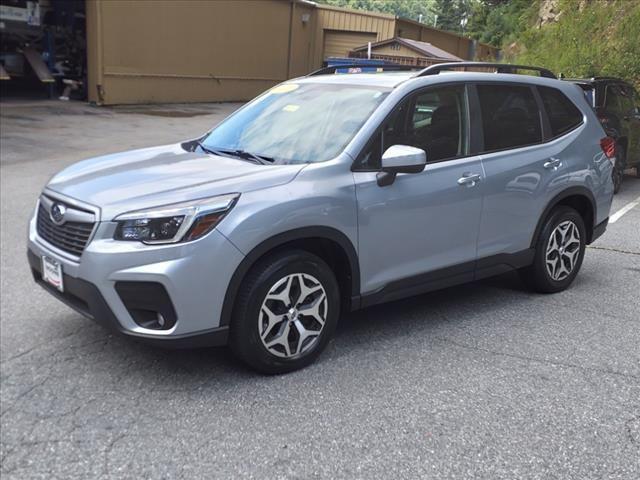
449 277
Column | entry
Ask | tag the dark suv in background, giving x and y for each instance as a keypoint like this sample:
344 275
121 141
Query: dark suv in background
617 105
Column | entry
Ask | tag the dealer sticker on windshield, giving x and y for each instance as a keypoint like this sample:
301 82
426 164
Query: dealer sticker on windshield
52 273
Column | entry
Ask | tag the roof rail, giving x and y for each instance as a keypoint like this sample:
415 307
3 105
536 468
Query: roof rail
499 68
615 79
390 68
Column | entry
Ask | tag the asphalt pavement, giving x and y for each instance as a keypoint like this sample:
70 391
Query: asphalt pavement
482 381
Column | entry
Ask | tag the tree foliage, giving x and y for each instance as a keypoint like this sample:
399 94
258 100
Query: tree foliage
497 22
451 14
601 38
411 9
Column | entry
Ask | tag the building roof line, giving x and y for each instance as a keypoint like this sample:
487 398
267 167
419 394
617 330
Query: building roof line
425 48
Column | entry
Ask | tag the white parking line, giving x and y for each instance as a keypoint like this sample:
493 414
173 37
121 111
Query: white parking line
614 218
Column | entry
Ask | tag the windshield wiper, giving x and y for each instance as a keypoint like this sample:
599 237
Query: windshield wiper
252 157
262 159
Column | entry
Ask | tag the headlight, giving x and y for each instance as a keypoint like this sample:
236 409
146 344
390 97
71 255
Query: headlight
179 222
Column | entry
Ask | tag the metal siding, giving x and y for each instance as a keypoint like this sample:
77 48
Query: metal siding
149 55
339 44
94 46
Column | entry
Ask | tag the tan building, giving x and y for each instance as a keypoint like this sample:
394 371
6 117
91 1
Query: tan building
189 50
404 51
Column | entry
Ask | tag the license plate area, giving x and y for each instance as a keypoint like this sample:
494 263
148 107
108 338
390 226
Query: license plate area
52 273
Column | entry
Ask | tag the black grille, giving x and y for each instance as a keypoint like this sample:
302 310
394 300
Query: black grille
70 237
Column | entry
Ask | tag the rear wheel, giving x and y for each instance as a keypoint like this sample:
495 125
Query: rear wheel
286 312
559 252
618 168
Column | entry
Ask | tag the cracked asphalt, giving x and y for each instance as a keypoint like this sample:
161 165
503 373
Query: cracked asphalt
484 380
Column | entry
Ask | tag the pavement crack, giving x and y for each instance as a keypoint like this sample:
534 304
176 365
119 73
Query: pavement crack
108 451
616 250
605 371
629 431
23 395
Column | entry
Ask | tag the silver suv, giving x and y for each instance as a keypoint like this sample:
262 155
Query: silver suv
326 194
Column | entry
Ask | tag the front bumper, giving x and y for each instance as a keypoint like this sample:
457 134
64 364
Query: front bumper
86 299
195 277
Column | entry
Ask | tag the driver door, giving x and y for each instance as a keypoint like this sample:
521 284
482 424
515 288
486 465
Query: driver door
420 232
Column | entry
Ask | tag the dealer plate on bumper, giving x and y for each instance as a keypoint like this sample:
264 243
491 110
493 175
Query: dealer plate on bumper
52 273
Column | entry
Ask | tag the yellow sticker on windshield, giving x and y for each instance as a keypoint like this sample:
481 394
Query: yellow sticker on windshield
284 88
290 108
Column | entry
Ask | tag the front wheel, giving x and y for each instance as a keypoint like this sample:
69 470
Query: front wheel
286 312
559 252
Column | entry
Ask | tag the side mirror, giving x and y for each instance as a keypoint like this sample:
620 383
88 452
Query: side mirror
400 159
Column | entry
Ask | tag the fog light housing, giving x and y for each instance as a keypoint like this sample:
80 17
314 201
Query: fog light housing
148 303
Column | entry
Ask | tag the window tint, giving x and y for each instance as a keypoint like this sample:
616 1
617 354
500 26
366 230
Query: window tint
612 99
510 117
562 113
438 123
636 100
434 121
626 100
298 123
390 133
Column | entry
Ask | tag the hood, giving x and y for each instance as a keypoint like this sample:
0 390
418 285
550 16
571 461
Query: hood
162 175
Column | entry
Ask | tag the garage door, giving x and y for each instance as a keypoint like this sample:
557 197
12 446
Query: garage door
339 44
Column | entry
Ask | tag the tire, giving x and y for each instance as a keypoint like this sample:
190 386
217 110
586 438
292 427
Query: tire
267 331
555 276
617 174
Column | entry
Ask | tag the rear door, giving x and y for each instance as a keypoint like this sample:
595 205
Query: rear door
631 118
420 231
524 158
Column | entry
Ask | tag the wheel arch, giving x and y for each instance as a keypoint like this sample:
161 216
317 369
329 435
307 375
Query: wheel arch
322 241
579 198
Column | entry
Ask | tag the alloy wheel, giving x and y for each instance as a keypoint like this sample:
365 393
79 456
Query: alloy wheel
563 250
292 315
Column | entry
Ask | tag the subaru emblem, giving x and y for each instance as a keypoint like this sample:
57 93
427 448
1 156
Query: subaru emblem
57 213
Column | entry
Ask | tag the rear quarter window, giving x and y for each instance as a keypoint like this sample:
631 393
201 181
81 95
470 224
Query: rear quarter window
563 115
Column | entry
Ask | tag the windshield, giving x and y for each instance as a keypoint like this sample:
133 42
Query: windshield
298 123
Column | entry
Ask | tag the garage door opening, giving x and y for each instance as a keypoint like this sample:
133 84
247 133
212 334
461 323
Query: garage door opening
43 49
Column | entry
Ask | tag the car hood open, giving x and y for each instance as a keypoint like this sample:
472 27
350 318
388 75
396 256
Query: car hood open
162 175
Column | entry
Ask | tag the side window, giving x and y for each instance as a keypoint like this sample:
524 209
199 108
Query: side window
435 121
562 113
636 101
626 99
390 133
612 99
438 123
510 116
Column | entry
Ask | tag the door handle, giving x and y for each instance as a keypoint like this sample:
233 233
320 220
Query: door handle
552 164
469 179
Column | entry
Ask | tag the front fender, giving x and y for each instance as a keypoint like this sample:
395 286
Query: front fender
319 203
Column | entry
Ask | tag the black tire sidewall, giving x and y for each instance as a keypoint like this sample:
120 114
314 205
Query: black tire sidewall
542 280
245 339
618 168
